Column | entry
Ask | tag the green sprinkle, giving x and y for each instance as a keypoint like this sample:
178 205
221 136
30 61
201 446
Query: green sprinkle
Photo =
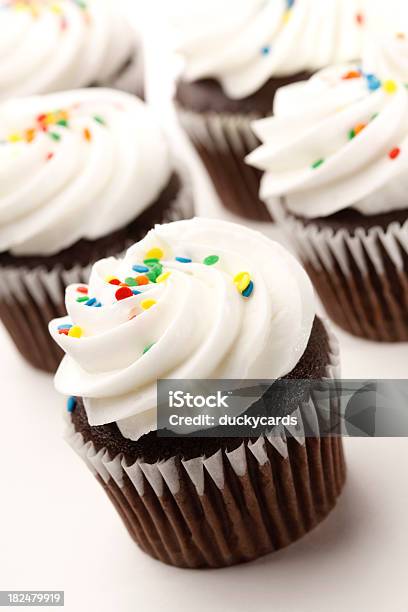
55 136
131 282
149 262
374 116
85 298
148 347
211 260
63 123
351 134
99 119
318 163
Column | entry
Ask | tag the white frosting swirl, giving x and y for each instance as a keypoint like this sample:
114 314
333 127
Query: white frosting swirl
78 164
336 142
200 327
53 45
243 43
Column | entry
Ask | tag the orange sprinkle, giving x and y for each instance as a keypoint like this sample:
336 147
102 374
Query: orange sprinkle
142 280
87 134
359 128
352 74
29 135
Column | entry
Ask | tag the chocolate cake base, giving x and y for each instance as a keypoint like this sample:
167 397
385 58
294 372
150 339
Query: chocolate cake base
207 96
359 267
33 287
220 130
231 515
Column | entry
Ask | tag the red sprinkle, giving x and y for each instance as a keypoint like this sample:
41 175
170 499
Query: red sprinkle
360 19
115 281
49 156
82 289
63 332
123 293
394 153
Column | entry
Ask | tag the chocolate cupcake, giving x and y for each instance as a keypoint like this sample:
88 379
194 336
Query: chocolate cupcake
83 175
236 56
193 501
52 46
337 151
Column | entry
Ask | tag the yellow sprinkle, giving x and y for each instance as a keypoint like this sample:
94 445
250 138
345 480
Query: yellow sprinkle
108 279
56 8
155 253
15 138
287 16
242 280
29 135
390 86
75 332
50 118
163 277
146 304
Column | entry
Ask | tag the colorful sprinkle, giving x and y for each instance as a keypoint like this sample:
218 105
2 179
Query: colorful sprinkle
82 289
136 292
163 277
352 74
123 293
317 163
394 153
373 82
146 304
242 281
87 134
266 49
82 299
112 280
184 260
65 326
71 404
55 136
211 260
249 290
360 19
49 156
154 253
390 86
140 269
76 332
142 280
63 332
131 282
148 347
91 302
99 119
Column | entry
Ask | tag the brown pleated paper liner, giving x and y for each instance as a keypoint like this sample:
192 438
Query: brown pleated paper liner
229 508
362 279
223 141
31 297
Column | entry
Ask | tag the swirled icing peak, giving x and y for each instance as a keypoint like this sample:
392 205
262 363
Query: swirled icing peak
194 299
52 45
243 43
77 164
338 140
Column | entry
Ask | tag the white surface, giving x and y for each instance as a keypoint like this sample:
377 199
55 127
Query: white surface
59 531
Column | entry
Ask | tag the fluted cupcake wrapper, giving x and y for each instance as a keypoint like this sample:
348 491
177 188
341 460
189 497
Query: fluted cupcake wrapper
362 279
31 298
231 507
223 140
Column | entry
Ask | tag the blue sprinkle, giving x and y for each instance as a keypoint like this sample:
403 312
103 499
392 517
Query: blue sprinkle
98 305
71 403
266 50
91 302
372 82
290 3
136 292
140 269
248 291
184 259
68 326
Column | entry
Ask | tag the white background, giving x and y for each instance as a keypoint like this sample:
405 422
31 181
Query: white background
58 531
